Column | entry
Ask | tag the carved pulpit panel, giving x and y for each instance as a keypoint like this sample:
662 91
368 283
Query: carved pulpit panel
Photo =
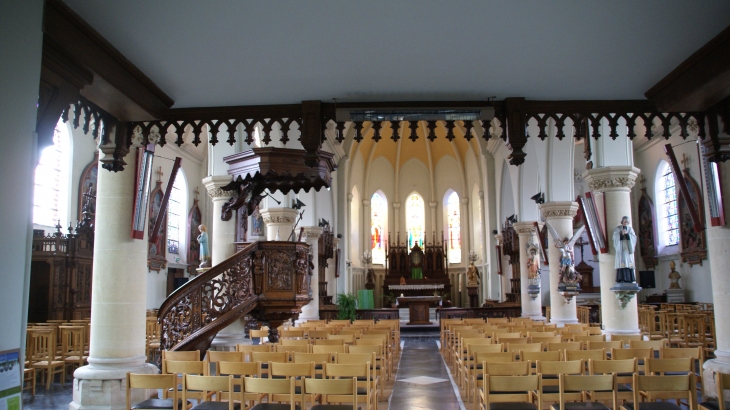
195 219
156 250
694 244
647 231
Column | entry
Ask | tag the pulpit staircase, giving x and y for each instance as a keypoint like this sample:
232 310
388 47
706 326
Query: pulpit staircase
267 280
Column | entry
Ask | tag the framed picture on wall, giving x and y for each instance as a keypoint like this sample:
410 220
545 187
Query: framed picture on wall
596 234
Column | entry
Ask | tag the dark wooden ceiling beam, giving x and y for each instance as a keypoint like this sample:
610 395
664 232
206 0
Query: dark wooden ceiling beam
119 87
700 81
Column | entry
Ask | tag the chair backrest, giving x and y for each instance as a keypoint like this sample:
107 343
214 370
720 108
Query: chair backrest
340 390
589 338
546 339
564 346
317 358
265 357
603 345
251 369
626 366
524 347
294 342
661 366
72 340
292 349
328 349
585 355
152 381
645 344
318 334
510 335
511 389
535 356
341 337
493 348
206 385
43 346
666 387
248 350
498 320
641 354
507 368
213 356
329 342
494 357
572 387
625 339
355 358
270 386
696 353
376 350
346 370
553 367
184 367
181 355
722 382
291 333
291 369
541 334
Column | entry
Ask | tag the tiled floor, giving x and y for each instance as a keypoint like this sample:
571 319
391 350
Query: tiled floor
57 397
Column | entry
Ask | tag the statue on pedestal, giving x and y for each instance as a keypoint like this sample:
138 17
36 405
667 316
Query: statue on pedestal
204 250
533 264
674 277
624 242
472 276
568 274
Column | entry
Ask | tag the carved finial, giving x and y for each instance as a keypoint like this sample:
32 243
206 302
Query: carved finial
685 161
159 174
642 180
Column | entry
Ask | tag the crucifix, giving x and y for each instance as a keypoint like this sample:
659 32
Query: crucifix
196 193
685 162
580 244
159 174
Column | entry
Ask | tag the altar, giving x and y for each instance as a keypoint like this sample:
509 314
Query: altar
418 308
421 270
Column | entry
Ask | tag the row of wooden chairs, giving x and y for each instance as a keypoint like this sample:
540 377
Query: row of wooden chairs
251 390
684 328
52 350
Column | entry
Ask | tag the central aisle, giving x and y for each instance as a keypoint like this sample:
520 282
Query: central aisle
422 381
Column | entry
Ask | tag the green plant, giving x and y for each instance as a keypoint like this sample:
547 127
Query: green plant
347 303
389 299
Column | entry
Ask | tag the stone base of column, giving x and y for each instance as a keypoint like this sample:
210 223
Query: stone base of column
228 338
103 383
720 364
563 322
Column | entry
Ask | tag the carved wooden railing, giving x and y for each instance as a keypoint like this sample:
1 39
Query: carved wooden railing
256 276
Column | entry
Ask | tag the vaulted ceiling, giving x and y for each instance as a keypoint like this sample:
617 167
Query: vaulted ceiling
262 52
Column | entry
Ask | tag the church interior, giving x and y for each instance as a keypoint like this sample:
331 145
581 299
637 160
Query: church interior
427 192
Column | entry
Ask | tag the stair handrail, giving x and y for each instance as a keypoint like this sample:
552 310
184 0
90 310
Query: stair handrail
208 302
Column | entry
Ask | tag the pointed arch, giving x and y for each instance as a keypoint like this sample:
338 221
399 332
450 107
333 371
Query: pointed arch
452 206
176 216
378 226
415 219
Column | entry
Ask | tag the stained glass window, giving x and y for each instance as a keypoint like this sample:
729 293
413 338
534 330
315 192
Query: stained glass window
670 208
51 180
378 219
453 218
176 214
415 220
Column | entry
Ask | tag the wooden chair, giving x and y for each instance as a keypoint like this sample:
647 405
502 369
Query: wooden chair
291 334
266 357
260 334
319 334
181 368
469 365
331 350
72 346
366 389
603 345
239 370
359 358
29 380
671 367
656 345
387 354
523 347
624 371
296 371
551 347
533 357
578 388
328 342
662 387
523 391
213 356
377 365
485 357
546 339
248 350
625 339
43 355
722 382
550 371
180 356
346 339
335 390
208 387
589 338
697 353
294 342
639 354
152 338
585 355
163 382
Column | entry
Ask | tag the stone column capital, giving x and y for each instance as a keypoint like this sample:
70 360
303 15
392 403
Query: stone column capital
464 201
213 185
526 228
311 233
559 209
366 202
433 204
499 237
614 178
396 205
279 215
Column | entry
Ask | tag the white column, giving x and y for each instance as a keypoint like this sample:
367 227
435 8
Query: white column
616 183
222 246
311 310
118 303
396 221
279 220
560 216
465 223
433 219
531 308
718 247
367 241
223 233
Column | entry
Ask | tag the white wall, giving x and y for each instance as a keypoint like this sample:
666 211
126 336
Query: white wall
21 38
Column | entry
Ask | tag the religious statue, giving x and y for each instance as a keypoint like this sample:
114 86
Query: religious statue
533 264
204 250
472 275
568 274
624 242
674 277
402 280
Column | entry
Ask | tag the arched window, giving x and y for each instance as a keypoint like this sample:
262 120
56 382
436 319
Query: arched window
415 220
667 217
176 220
50 200
453 221
378 224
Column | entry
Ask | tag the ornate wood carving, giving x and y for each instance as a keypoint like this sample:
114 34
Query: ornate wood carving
433 264
87 184
196 311
694 244
156 250
647 230
326 251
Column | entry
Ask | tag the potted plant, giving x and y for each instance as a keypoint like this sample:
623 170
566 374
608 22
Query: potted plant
389 299
347 302
445 299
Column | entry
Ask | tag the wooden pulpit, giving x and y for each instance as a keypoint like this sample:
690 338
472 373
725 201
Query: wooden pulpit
418 308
